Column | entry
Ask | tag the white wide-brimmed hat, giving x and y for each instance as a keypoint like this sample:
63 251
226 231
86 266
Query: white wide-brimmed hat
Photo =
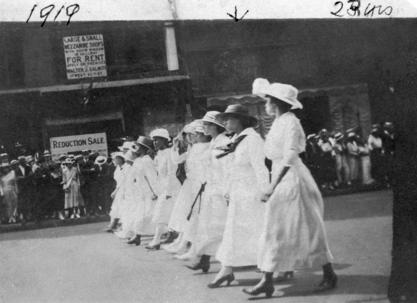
68 161
118 154
100 160
160 132
198 126
213 117
130 156
188 128
281 91
126 146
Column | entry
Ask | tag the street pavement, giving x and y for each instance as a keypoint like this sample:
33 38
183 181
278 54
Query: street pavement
83 264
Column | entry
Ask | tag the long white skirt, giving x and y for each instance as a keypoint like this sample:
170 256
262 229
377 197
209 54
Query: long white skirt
293 234
243 224
212 220
139 219
178 220
115 206
190 227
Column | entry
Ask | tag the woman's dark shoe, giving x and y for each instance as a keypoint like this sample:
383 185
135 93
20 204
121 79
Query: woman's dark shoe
172 235
204 264
264 287
153 247
288 275
328 283
135 240
227 278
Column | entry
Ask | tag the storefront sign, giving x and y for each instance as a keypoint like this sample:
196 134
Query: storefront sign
73 144
84 56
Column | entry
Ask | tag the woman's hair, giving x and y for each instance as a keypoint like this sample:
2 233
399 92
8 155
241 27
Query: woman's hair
282 105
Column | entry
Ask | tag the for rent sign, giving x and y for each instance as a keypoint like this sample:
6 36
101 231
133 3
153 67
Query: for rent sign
84 56
72 144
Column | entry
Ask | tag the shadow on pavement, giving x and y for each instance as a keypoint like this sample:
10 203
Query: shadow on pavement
363 205
302 286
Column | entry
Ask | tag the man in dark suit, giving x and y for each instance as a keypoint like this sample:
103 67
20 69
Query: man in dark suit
87 175
24 185
101 187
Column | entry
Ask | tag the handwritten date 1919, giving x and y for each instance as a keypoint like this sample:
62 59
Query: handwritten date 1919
44 12
355 8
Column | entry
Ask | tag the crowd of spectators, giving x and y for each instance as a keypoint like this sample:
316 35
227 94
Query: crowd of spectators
338 159
34 188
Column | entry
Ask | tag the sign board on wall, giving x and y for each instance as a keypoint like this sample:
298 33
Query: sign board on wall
73 144
84 56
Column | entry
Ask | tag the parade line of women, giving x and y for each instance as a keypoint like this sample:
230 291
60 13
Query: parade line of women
215 198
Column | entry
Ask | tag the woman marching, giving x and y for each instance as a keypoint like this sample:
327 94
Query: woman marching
198 162
168 185
140 220
116 195
178 221
293 232
247 180
212 217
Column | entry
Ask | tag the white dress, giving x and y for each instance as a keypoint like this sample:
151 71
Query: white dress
138 219
213 213
293 231
128 202
168 185
183 201
198 162
117 176
247 179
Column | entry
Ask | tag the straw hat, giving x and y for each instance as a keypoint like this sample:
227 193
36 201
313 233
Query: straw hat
281 91
126 146
238 110
100 160
14 162
161 133
213 117
198 126
68 161
338 136
118 154
145 141
4 164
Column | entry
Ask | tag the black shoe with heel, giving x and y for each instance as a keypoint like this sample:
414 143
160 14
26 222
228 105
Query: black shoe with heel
204 264
135 240
327 284
227 278
265 287
153 247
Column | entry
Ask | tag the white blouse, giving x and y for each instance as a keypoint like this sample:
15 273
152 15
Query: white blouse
285 140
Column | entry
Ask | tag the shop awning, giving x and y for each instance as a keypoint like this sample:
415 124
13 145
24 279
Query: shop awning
95 85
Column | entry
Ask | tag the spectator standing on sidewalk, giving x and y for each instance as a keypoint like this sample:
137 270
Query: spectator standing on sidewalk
342 166
327 161
376 153
352 156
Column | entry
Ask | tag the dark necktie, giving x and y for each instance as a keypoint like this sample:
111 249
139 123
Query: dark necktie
231 147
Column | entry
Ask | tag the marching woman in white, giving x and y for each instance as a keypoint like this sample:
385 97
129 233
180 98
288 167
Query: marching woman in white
139 221
178 220
168 185
198 162
119 176
293 234
129 199
248 180
212 217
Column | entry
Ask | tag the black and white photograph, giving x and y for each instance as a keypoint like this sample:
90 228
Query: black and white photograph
208 151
